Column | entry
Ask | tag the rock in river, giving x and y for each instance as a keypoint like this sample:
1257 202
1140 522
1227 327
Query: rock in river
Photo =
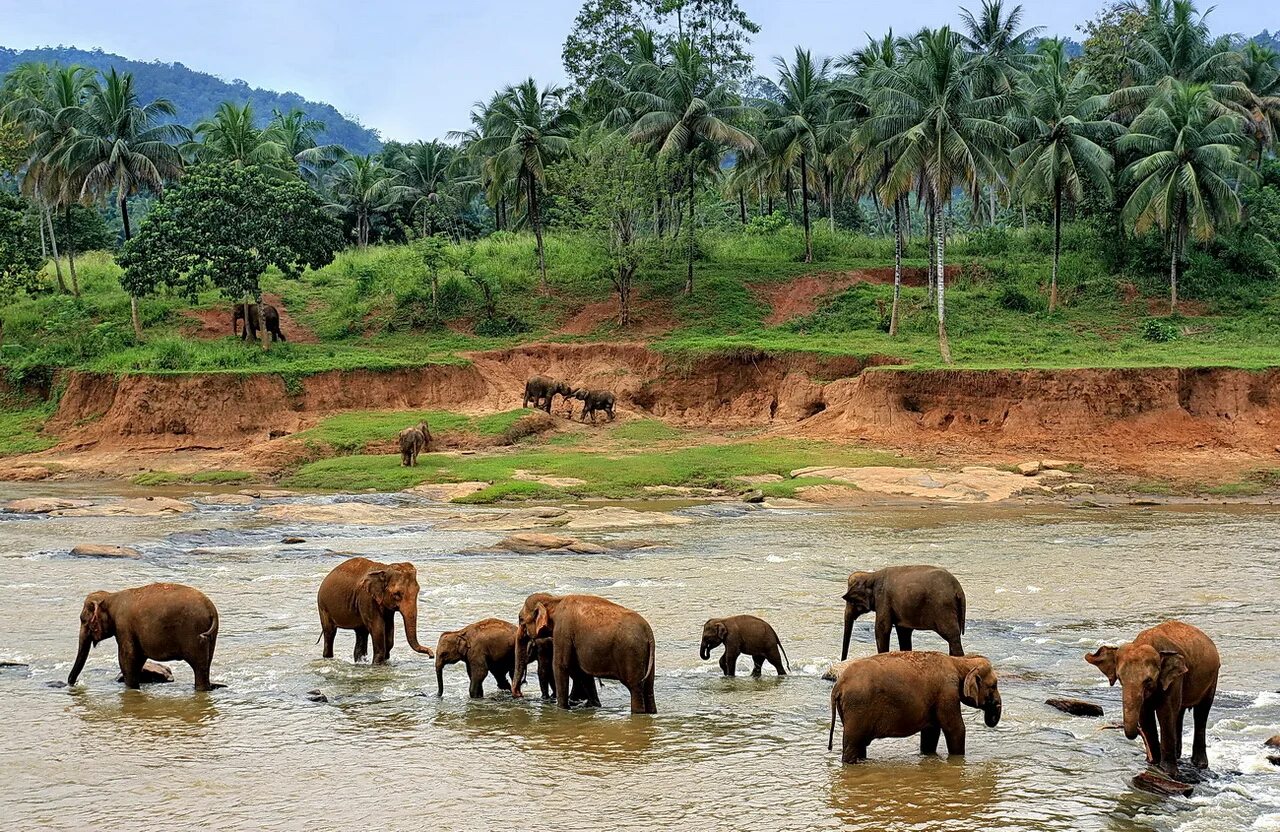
153 673
43 505
102 550
136 507
1156 784
1075 707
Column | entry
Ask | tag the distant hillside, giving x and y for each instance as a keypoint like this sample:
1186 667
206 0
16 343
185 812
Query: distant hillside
198 94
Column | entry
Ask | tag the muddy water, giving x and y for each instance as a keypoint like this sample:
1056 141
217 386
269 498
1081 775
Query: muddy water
385 753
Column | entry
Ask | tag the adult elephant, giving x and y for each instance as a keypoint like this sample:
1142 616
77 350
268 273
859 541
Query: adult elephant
257 315
1165 671
592 636
163 622
907 598
364 595
484 647
414 441
542 391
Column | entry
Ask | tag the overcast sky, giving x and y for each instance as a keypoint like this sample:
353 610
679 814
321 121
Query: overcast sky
412 68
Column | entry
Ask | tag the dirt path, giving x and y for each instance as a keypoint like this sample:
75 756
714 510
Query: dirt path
212 324
803 295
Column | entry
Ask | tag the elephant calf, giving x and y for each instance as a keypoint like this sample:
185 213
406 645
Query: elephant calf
485 647
163 622
414 441
742 634
906 598
594 401
1165 671
364 595
902 694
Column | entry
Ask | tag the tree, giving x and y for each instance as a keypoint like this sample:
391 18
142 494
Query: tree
427 170
20 257
1186 147
435 254
362 187
719 30
224 225
298 134
1262 79
231 135
122 147
1109 40
602 28
1060 152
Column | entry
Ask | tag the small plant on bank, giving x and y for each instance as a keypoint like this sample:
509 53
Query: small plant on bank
1159 330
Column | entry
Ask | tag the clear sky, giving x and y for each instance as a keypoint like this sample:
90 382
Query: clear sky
412 68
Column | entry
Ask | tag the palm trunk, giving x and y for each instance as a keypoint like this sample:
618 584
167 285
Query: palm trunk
657 216
53 244
944 347
929 233
804 208
897 265
831 203
688 282
537 228
1057 247
71 256
742 206
133 299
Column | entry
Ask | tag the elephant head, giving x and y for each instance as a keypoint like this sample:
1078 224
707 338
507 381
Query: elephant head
713 635
980 690
537 621
96 625
858 599
394 587
450 649
1143 672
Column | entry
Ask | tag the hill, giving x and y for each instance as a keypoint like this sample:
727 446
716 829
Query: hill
197 94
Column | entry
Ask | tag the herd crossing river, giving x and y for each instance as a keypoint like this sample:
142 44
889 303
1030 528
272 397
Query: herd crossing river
297 742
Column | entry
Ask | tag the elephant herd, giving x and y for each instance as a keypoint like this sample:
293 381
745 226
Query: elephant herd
541 391
577 639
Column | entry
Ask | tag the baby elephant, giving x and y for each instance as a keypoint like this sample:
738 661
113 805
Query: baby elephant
594 401
901 694
413 441
743 634
485 647
163 622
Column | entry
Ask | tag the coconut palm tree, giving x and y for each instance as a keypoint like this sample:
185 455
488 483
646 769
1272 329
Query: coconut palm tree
682 110
231 135
299 134
1064 142
1186 148
123 147
427 169
527 128
1262 78
362 186
797 121
931 123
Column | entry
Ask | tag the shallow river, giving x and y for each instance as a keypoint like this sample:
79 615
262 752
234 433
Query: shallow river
1043 588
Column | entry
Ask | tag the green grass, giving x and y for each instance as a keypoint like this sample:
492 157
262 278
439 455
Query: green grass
20 430
605 474
352 431
644 430
198 477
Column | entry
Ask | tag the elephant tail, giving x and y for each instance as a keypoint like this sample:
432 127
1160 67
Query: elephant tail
653 650
785 656
831 734
960 610
213 629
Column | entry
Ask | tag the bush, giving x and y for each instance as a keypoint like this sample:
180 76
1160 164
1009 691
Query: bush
1159 330
1015 300
501 326
767 224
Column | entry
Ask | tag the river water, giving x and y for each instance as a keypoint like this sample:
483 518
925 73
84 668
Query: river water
1044 586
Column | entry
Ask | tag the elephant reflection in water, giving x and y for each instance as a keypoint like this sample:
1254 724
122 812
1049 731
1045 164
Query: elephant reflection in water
157 717
929 794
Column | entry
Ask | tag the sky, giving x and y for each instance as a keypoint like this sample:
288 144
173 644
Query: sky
412 68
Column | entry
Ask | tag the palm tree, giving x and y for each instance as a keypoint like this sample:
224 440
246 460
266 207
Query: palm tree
931 123
1060 152
427 169
682 110
526 129
123 147
1262 78
798 119
232 135
360 187
298 134
1186 147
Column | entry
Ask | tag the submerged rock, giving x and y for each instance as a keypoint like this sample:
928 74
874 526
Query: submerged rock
616 517
290 541
1075 707
317 695
153 673
226 500
1156 784
43 505
101 550
135 507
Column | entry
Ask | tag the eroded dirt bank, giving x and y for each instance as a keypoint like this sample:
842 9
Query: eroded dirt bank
1210 423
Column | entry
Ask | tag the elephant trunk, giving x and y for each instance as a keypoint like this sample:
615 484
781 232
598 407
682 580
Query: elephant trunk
704 652
1132 712
849 616
409 612
439 677
82 655
991 714
523 646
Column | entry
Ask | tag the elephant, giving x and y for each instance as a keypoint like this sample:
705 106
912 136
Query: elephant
1165 671
906 598
364 595
542 391
269 313
484 647
901 694
593 401
163 622
592 636
582 688
413 441
742 634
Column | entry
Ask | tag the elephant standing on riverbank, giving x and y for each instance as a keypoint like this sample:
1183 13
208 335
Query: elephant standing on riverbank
413 441
595 401
485 647
1165 671
906 598
364 595
269 314
162 622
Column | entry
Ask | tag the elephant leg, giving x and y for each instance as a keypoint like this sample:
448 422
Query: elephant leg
1167 717
729 662
954 647
362 645
853 743
328 631
1200 721
584 689
388 633
500 677
201 663
477 672
650 704
1150 734
775 658
757 662
561 665
1182 714
546 678
904 638
952 725
131 662
378 634
929 735
637 698
883 626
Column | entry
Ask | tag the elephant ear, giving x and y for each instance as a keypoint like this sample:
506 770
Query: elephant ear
541 621
1172 667
722 632
1104 658
375 584
973 684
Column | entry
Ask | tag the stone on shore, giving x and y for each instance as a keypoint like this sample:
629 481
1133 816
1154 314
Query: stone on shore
135 507
1075 707
1156 784
1029 469
446 492
972 484
25 473
756 496
43 505
100 550
153 673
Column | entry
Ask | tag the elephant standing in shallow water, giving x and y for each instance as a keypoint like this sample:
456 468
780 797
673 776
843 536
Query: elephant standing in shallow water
364 595
907 598
163 622
485 647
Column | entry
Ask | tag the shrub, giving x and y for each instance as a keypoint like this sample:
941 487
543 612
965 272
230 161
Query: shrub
1159 330
1015 300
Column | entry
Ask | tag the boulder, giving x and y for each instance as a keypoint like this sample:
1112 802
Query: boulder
1056 464
756 496
362 513
1075 707
317 695
290 541
517 519
226 500
1273 742
1154 783
43 505
1029 469
616 517
25 473
153 673
446 492
1274 759
102 550
135 507
526 543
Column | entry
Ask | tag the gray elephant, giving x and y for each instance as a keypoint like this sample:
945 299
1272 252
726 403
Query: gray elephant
742 634
269 314
413 441
487 647
542 391
906 598
593 402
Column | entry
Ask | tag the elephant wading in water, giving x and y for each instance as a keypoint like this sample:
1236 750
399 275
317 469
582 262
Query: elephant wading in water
592 636
901 694
269 314
1165 671
742 634
542 391
906 598
163 622
364 595
413 441
485 647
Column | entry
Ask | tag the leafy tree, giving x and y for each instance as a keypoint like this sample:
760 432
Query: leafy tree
1110 39
602 28
1186 149
20 257
13 147
428 170
224 226
436 254
719 30
299 135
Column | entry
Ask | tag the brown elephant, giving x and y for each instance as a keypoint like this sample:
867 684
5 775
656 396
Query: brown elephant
542 391
901 694
485 647
364 595
906 598
162 622
1165 671
269 314
594 401
414 441
592 636
742 634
